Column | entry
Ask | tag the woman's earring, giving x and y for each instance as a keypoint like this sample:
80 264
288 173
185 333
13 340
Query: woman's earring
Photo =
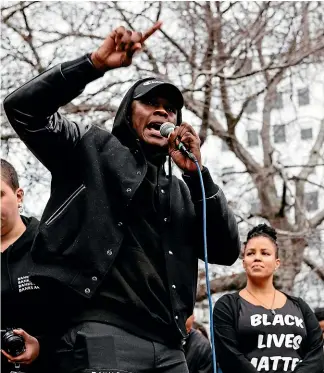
20 208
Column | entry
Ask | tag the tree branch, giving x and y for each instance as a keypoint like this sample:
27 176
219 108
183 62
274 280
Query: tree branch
207 63
316 220
238 281
225 283
314 267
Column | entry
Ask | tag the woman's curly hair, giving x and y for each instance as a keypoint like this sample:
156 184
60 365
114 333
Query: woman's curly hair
263 230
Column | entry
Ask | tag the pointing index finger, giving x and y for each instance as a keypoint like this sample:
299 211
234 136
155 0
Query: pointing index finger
151 30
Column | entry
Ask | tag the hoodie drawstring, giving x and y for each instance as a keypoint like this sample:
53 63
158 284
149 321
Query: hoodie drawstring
169 176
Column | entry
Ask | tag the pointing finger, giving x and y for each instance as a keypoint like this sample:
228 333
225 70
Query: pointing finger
151 31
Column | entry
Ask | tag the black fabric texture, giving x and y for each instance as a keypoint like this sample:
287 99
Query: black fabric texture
24 304
198 353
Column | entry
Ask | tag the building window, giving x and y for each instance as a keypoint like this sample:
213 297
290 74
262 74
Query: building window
306 133
224 146
303 96
311 201
253 138
277 101
252 106
279 133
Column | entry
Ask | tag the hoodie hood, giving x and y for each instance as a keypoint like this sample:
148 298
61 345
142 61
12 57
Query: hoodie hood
122 127
24 243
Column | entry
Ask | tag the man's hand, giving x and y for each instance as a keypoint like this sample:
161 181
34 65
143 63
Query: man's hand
187 135
119 47
32 349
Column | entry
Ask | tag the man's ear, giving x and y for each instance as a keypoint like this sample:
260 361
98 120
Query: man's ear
20 195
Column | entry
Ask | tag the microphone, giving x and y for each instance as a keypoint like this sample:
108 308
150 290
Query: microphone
166 129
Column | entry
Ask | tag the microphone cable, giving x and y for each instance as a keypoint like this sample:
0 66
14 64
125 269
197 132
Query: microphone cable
211 322
166 129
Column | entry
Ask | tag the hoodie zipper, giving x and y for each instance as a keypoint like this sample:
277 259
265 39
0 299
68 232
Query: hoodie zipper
64 205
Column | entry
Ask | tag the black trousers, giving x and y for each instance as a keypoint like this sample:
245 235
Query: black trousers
94 347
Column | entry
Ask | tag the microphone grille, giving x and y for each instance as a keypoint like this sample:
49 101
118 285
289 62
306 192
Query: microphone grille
166 129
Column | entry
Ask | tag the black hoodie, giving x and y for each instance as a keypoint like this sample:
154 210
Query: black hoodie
97 177
23 304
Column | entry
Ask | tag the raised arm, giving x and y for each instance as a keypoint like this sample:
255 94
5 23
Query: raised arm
32 108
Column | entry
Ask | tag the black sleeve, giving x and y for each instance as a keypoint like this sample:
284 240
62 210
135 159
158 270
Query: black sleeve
223 240
205 364
32 110
313 361
228 353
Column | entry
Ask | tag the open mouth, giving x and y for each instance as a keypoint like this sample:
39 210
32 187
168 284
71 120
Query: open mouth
154 129
154 125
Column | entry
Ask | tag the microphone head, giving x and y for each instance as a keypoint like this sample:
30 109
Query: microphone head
166 129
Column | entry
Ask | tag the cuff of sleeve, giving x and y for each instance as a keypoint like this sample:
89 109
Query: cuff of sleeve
193 182
81 71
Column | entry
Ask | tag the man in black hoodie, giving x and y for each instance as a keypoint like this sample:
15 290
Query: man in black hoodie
23 304
118 233
197 350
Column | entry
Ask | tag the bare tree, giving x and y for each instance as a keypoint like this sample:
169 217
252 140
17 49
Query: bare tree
224 56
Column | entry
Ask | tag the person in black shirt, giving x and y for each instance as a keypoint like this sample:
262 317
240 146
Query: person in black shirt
119 231
197 350
200 328
261 329
23 304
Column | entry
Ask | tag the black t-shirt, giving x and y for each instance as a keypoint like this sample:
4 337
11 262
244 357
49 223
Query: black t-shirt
271 342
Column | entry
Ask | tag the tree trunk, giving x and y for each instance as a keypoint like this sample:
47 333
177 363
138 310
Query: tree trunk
291 258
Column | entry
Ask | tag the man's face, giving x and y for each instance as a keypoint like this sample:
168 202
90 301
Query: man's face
9 206
148 114
321 323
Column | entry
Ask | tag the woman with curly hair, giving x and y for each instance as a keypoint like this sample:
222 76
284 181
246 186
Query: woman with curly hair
261 329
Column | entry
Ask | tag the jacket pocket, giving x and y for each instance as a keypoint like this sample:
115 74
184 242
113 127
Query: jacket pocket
63 230
64 205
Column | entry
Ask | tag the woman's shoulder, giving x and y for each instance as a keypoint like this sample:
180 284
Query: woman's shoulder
304 307
226 307
230 298
293 298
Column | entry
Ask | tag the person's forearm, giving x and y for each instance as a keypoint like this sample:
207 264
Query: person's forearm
32 110
222 231
223 236
43 95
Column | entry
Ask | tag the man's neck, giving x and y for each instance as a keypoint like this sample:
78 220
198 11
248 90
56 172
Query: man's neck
154 154
12 236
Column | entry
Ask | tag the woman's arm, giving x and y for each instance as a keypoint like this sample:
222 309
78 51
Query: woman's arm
228 353
313 361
